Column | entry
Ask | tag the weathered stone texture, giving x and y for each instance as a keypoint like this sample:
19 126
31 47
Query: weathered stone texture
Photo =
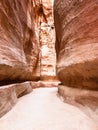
8 98
86 100
19 50
48 56
80 97
46 32
76 23
10 93
44 84
23 88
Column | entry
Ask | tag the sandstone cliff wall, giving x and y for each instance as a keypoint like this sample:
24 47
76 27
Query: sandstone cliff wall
46 32
76 23
19 50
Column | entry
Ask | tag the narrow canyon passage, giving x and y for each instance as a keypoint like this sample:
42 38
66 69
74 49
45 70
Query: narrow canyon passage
48 52
43 110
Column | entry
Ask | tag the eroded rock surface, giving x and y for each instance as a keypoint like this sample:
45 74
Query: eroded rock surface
86 100
19 51
44 84
46 32
10 93
23 88
8 99
76 23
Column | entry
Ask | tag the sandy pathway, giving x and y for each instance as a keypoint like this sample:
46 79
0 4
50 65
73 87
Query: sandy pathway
43 110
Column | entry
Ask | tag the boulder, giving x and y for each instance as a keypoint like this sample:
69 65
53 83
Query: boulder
8 98
23 88
10 93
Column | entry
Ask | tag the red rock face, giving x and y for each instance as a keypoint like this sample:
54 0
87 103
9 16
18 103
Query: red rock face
46 32
8 99
19 51
10 93
76 23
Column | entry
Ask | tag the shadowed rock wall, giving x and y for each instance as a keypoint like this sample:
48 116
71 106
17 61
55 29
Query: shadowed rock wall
19 49
76 23
10 93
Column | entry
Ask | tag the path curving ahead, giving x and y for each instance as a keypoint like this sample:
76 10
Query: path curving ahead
43 110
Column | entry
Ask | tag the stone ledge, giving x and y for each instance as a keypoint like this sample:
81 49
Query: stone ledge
86 100
79 96
8 98
10 93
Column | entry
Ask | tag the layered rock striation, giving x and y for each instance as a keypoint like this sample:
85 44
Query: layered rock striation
9 95
46 32
76 23
19 49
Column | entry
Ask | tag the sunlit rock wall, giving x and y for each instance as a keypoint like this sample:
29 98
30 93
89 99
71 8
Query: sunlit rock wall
45 29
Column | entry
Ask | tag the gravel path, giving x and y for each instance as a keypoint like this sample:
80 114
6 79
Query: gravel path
43 110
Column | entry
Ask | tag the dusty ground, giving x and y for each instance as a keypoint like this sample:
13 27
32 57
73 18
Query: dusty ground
43 110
